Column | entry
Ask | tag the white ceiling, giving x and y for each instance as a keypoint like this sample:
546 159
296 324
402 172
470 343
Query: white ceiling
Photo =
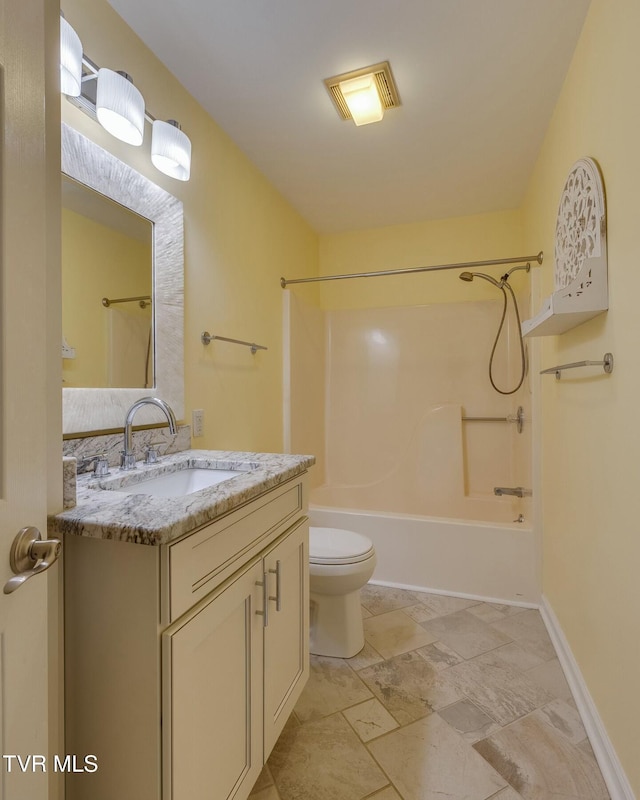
478 80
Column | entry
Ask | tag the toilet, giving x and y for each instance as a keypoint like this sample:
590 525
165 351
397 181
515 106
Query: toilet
340 563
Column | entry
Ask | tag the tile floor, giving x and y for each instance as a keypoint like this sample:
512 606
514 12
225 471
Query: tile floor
450 699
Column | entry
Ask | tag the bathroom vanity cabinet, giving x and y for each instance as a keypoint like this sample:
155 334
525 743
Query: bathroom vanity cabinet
184 660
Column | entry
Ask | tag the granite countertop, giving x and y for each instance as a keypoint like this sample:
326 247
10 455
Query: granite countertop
152 520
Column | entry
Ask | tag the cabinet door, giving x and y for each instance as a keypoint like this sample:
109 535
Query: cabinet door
286 636
212 693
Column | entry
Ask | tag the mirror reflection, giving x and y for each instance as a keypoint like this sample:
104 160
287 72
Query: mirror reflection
107 290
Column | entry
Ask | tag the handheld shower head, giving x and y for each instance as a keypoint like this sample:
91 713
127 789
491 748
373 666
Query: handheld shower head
469 276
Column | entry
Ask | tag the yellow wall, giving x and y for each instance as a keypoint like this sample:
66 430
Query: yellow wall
240 237
118 266
446 241
590 442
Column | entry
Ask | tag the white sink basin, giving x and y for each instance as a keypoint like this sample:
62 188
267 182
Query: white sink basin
184 481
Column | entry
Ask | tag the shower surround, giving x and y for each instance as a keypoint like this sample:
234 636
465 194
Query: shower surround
381 394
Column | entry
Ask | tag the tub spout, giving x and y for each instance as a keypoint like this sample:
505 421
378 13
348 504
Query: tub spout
515 491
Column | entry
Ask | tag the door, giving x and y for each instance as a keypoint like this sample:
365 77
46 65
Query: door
29 402
286 637
212 693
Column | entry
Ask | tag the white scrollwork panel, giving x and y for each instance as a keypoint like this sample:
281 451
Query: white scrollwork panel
580 225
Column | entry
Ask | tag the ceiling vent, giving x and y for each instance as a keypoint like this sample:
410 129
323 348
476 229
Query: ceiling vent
383 77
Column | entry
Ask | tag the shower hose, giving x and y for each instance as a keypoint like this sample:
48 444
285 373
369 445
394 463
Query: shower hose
504 284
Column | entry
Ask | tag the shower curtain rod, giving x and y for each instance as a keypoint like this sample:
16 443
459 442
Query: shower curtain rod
464 265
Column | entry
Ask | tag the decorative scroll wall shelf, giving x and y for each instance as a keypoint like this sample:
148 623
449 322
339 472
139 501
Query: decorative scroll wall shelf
581 290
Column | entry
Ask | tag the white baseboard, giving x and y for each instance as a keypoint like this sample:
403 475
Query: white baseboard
611 768
464 595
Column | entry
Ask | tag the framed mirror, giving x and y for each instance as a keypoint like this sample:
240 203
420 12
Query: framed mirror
125 344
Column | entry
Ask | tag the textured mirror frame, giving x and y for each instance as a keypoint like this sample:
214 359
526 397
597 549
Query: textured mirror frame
87 410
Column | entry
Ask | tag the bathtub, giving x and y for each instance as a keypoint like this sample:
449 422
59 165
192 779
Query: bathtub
491 561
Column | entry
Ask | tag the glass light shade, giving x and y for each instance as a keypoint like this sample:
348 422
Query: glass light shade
363 99
171 150
70 60
120 106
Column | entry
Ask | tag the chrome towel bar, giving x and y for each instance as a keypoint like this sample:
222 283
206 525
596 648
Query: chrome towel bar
143 300
207 338
518 418
606 364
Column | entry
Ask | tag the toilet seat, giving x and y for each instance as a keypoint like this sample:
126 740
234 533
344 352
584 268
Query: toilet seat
337 546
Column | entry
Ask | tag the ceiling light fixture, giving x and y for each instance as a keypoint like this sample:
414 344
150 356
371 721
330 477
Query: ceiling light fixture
363 95
111 98
70 60
362 98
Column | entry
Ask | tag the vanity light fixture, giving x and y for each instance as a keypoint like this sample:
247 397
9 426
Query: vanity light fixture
111 98
70 60
120 106
363 95
170 149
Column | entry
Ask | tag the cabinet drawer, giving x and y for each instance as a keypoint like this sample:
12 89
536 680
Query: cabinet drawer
202 560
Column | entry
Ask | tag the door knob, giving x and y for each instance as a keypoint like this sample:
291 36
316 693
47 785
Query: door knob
30 555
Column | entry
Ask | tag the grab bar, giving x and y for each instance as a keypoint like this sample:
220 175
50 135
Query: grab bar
207 338
606 364
518 418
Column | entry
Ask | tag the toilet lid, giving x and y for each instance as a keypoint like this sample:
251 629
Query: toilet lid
336 546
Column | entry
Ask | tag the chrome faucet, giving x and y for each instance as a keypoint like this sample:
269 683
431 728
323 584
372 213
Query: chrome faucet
516 491
128 459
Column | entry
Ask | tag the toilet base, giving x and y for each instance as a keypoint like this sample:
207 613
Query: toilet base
336 624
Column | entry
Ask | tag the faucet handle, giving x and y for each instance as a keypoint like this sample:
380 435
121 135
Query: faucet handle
100 464
151 455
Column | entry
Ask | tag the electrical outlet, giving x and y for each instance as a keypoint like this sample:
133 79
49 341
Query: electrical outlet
197 422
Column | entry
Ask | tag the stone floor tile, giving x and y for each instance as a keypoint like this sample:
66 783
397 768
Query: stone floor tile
540 764
521 659
324 760
332 686
506 794
380 599
393 633
488 612
264 780
439 655
370 720
409 687
365 658
565 719
420 612
466 634
388 793
529 631
442 604
551 677
427 760
468 720
502 692
270 793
